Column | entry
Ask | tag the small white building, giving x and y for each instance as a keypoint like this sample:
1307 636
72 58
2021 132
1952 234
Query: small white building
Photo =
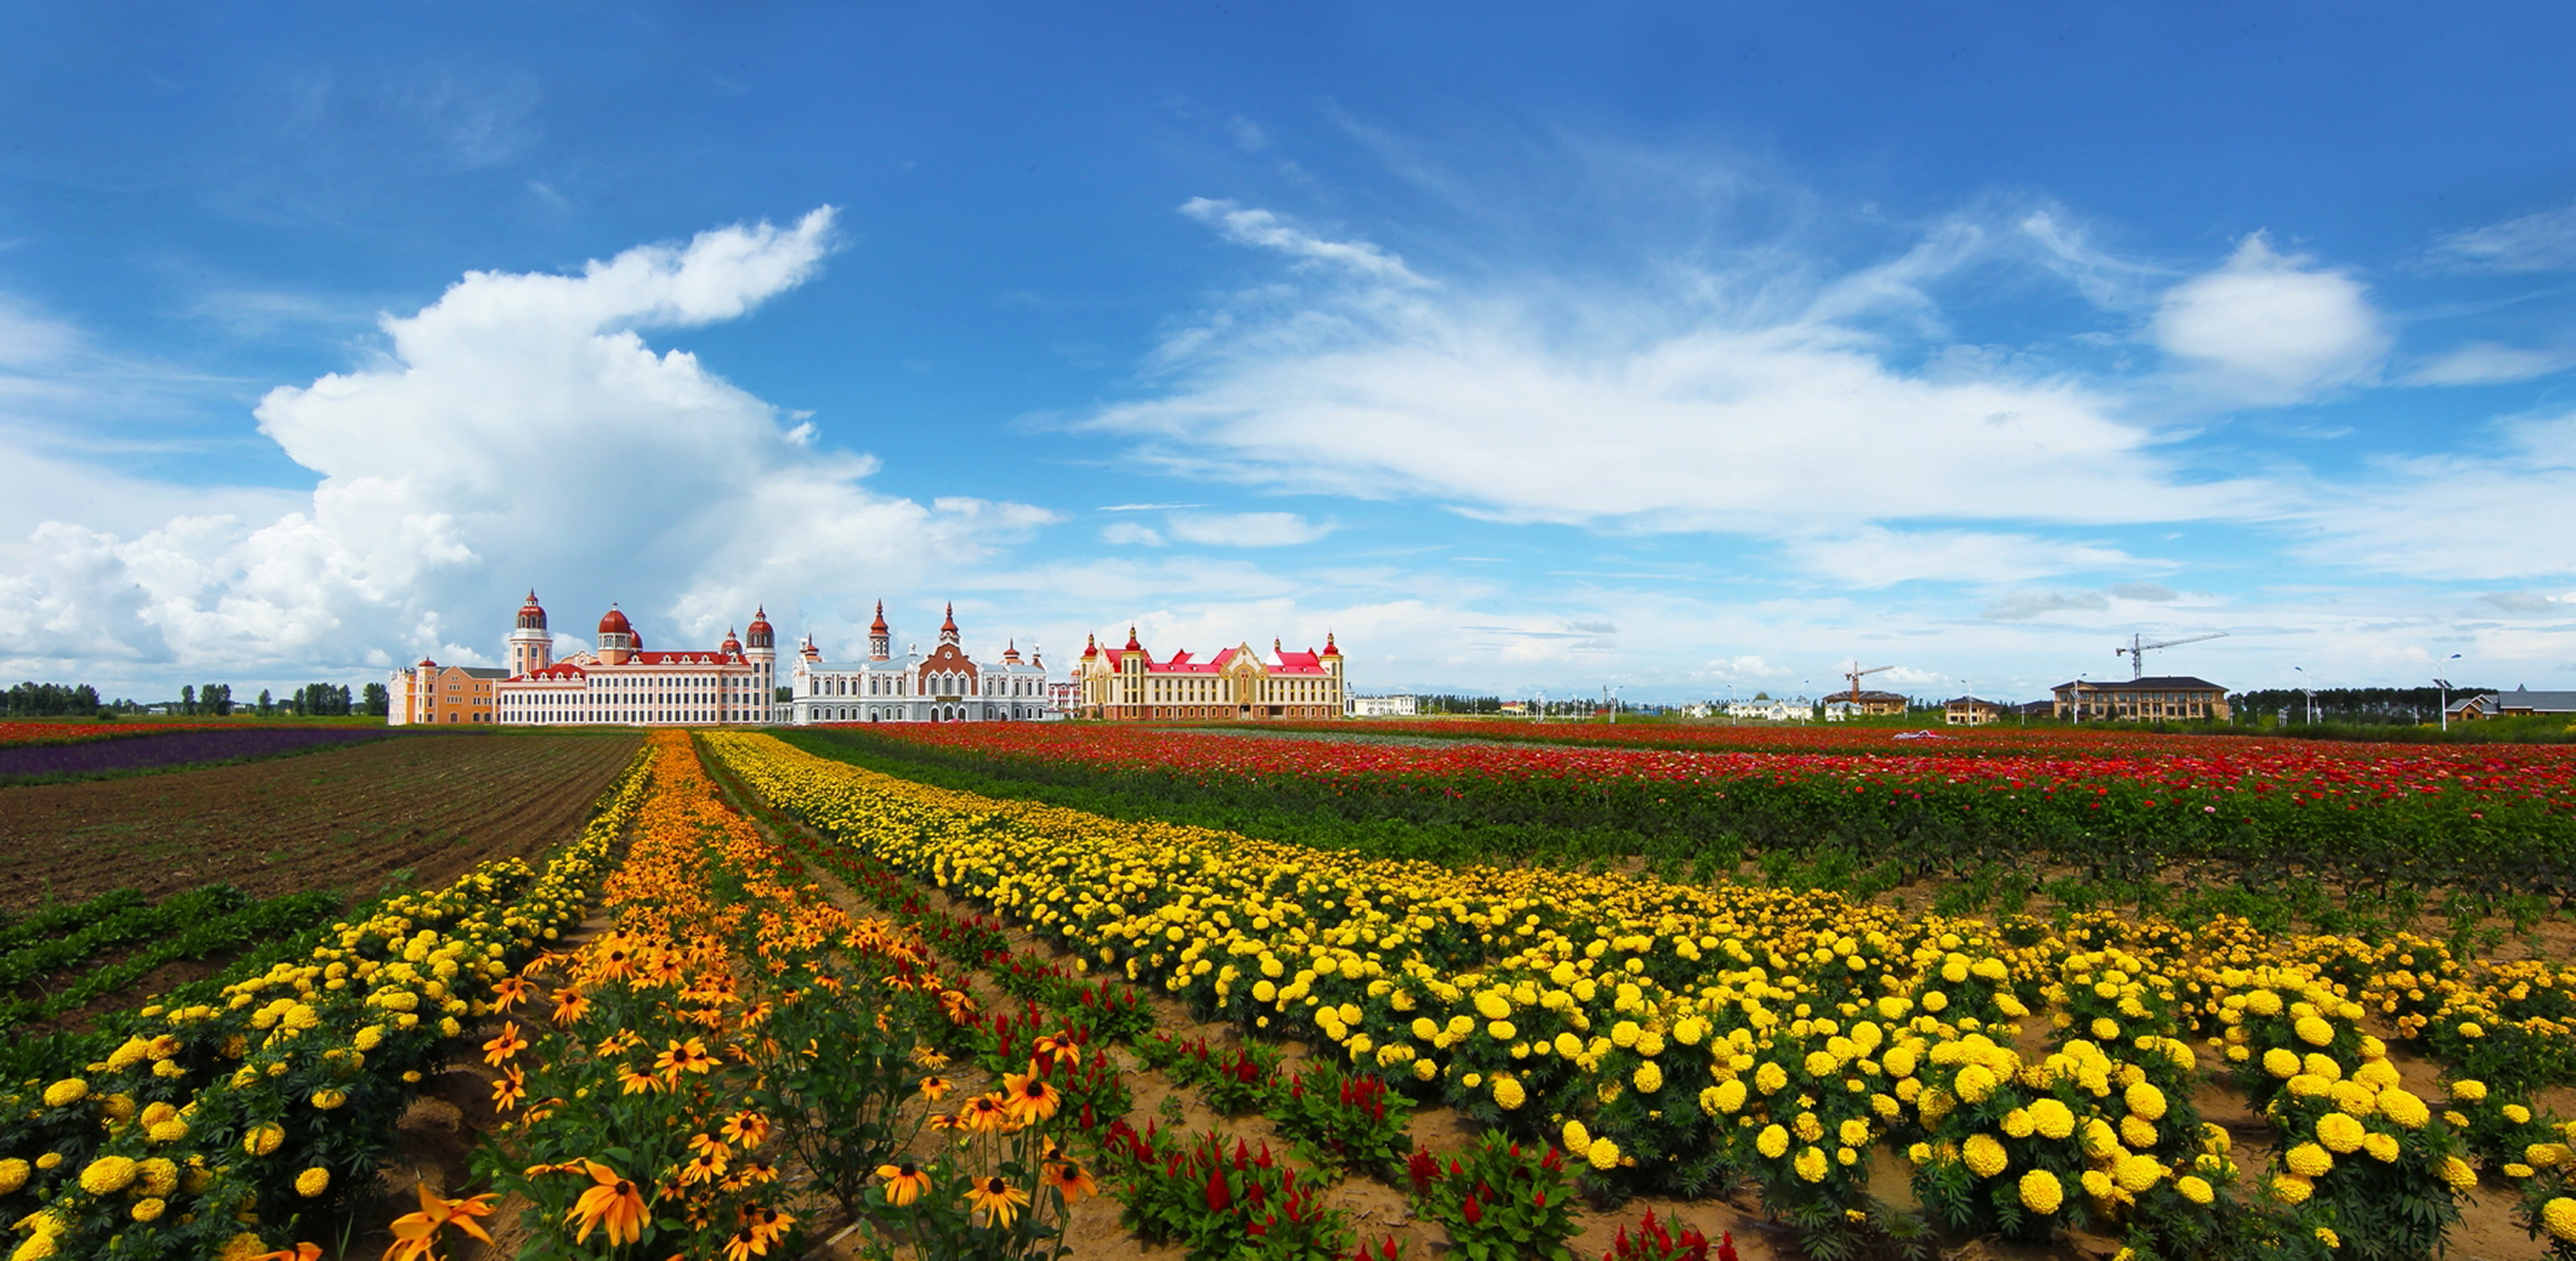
1767 709
942 685
1385 707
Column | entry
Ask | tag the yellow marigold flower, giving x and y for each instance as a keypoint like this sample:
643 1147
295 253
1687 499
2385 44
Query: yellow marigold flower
313 1182
2290 1188
2458 1174
14 1173
1772 1142
2517 1114
2263 1003
2097 1184
1603 1154
2382 1147
2559 1217
1568 1045
107 1175
1853 1132
2040 1192
2195 1188
2404 1108
1508 1094
263 1139
2135 1173
2544 1155
1770 1078
1974 1083
2137 1131
1985 1156
1729 1094
2308 1160
1821 1064
2340 1132
1648 1078
328 1098
2145 1100
2326 1236
1502 1030
69 1090
2052 1118
158 1175
169 1131
2516 1169
149 1208
1576 1138
2469 1090
2281 1062
1810 1164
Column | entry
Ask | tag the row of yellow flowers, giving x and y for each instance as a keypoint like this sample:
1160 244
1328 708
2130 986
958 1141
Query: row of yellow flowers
1680 1038
732 1035
216 1127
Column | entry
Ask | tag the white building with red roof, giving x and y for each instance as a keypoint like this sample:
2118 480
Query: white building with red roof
622 682
942 685
1127 684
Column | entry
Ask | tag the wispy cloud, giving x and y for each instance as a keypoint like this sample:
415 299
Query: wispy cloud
2538 242
1268 231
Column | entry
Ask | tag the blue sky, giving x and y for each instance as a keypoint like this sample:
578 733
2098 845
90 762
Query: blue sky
1686 348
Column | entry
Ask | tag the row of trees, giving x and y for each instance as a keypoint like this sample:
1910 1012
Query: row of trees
213 700
2364 706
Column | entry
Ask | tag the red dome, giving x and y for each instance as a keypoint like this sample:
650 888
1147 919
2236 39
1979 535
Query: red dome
615 623
531 615
759 632
731 645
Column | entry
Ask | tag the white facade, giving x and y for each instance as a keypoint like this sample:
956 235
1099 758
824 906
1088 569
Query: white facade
1391 707
942 685
622 683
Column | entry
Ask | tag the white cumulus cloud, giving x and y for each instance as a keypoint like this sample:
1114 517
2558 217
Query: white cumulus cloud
2272 328
520 431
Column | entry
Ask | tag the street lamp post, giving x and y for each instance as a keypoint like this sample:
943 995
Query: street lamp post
2308 689
2445 685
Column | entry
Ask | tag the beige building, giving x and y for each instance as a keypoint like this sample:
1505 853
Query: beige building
1969 711
433 693
1127 684
2169 698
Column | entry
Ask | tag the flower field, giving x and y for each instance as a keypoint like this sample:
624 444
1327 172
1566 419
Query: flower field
223 1123
158 748
2490 818
2023 1077
13 734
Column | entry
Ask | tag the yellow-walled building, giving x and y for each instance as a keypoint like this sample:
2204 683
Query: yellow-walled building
1128 684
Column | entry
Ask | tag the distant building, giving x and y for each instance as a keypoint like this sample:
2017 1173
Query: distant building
433 693
2518 703
1768 709
1969 711
1403 707
621 682
2165 698
1127 684
1842 705
945 684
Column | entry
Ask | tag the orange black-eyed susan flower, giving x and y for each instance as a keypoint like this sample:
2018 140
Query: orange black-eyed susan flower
1029 1098
1067 1176
509 992
683 1057
904 1182
998 1198
746 1129
934 1088
505 1044
570 1006
416 1234
988 1114
610 1202
513 1087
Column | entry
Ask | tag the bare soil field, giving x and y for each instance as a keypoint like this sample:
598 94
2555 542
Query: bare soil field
416 811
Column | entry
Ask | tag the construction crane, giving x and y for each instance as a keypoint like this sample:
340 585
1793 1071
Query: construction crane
1854 676
2137 649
